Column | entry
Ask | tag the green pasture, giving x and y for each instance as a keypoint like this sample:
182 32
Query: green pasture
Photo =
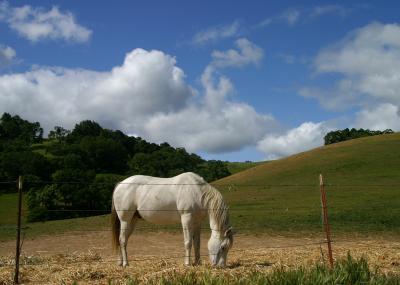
235 167
362 179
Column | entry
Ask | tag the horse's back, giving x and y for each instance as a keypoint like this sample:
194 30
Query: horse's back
162 200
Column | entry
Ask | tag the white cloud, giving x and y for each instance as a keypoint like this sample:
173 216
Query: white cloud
36 23
322 10
7 55
368 59
146 83
293 59
246 53
147 95
289 17
214 124
382 117
339 98
293 16
214 34
305 137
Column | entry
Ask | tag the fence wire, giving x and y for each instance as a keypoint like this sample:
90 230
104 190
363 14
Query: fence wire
27 229
8 182
152 257
33 182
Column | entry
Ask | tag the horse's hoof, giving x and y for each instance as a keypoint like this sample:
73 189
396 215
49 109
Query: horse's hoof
125 265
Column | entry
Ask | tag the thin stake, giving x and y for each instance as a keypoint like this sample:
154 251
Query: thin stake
325 217
18 243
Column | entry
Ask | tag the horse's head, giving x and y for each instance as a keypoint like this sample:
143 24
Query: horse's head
218 247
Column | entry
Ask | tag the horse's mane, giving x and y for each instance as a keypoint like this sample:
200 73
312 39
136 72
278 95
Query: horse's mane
216 206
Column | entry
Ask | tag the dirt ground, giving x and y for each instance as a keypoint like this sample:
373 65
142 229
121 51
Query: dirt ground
89 259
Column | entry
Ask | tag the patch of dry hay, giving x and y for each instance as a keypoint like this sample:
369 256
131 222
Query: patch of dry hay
92 268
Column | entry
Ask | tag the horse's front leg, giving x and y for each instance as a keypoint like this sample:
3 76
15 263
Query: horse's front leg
196 244
187 226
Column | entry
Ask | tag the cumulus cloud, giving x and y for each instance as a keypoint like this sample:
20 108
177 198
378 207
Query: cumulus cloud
7 55
384 116
214 124
36 23
305 137
368 60
217 33
246 53
146 95
146 83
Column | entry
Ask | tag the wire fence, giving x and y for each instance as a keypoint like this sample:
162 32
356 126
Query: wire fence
242 211
180 256
217 184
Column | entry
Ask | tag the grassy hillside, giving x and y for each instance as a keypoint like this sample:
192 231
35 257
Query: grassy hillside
235 167
363 188
369 160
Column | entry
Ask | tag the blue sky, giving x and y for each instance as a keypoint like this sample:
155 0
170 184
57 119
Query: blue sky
231 80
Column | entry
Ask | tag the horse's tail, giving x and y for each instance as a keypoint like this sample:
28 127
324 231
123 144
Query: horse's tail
115 226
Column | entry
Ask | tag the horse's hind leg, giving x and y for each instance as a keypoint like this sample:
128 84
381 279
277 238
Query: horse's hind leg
127 227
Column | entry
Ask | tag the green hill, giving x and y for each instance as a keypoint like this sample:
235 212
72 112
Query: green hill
235 167
363 188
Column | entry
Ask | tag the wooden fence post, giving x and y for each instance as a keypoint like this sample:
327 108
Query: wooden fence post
18 242
325 218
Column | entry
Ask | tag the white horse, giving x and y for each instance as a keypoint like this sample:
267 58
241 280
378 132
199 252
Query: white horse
185 198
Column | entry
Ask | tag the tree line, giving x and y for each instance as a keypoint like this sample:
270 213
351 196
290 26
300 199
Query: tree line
349 134
77 169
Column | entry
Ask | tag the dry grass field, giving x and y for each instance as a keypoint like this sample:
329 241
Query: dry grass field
88 259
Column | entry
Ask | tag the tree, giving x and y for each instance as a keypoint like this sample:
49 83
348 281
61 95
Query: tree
83 165
15 163
84 129
59 133
14 128
213 170
168 162
104 155
68 196
346 134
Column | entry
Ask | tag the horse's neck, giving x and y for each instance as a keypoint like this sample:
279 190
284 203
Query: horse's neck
215 230
216 211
